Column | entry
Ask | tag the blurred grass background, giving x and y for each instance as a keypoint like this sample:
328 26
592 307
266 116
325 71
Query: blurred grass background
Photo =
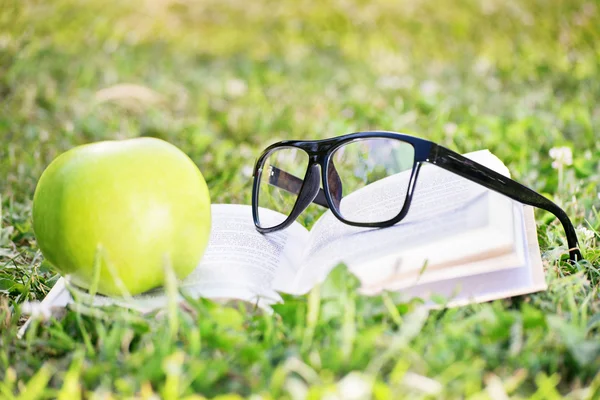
223 79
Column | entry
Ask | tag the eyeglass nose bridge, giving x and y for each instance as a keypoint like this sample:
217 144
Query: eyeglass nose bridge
308 191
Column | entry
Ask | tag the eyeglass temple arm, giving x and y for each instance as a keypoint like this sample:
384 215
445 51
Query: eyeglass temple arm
292 184
455 163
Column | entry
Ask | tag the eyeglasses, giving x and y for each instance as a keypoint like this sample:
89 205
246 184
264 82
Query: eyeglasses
287 180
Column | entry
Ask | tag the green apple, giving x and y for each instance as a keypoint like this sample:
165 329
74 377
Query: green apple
123 208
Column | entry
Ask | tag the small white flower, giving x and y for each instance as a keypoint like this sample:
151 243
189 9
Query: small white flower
450 128
247 171
584 233
562 156
429 88
36 310
236 87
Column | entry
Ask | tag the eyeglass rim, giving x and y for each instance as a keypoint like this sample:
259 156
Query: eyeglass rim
319 153
380 224
322 146
258 170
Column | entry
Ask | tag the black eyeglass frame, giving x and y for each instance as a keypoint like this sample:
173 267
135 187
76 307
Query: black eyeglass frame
425 151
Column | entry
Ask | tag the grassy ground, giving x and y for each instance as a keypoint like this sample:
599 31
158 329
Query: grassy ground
222 79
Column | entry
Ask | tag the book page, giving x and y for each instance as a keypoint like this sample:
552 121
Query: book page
514 259
527 277
452 221
238 256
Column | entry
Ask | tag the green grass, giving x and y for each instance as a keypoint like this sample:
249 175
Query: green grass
222 79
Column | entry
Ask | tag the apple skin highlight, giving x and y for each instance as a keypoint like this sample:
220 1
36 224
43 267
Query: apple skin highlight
132 205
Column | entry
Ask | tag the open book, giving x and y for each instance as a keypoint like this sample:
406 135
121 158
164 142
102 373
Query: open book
459 241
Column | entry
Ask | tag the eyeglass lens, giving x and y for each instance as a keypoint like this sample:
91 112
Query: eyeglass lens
371 178
283 166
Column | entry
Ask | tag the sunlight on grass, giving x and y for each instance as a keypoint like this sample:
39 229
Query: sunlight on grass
223 79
